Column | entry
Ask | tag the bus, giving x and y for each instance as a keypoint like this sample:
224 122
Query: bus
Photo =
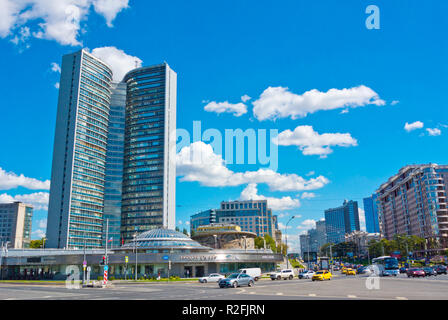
388 265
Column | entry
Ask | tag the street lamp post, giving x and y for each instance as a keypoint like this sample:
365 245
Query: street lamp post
286 238
135 249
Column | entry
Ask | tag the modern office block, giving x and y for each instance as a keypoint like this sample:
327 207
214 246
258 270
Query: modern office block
341 220
414 202
251 215
149 174
15 224
114 166
75 214
371 214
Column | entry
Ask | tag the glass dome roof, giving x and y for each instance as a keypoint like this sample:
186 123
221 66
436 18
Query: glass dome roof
163 239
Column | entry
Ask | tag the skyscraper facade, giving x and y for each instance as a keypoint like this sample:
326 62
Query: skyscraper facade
114 152
149 174
15 224
371 214
76 206
321 229
114 166
342 220
414 202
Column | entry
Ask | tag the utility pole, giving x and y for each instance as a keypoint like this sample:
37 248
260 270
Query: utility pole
286 237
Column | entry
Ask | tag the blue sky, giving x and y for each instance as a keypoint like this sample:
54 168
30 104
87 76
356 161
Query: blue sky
224 50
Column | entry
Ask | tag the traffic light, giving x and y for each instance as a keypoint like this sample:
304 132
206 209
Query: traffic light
103 261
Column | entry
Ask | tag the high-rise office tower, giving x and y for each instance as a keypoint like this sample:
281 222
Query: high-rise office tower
342 220
371 214
414 202
75 214
149 193
114 154
114 166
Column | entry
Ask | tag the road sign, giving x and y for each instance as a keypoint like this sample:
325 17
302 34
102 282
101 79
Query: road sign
166 257
126 259
106 268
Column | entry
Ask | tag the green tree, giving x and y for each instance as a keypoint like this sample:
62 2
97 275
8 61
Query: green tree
184 231
36 244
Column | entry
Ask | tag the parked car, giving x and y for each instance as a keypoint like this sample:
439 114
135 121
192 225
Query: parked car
416 272
403 270
429 271
283 274
213 277
307 274
236 280
441 269
253 272
322 275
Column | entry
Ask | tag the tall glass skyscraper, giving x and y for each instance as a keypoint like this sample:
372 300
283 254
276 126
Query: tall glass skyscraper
371 213
114 166
75 214
114 154
341 220
149 151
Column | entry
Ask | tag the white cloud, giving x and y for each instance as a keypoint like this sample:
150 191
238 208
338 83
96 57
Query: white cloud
276 204
55 67
110 8
282 227
10 180
307 225
413 126
312 143
434 131
311 173
395 102
57 85
38 234
278 102
245 98
198 162
308 195
118 60
38 200
238 109
362 219
22 36
42 224
53 20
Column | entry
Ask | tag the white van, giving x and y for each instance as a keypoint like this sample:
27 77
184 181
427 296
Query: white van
253 272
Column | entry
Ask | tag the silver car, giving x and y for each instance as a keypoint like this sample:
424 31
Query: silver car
237 280
213 277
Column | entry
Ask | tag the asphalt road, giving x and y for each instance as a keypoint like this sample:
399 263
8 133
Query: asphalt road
340 287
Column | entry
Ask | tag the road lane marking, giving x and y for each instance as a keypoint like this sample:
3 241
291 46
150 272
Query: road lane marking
351 296
312 295
279 293
401 298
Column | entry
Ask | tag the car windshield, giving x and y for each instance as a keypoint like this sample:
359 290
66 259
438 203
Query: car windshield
319 272
233 276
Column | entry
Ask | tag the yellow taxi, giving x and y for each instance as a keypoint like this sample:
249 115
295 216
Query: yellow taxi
322 275
344 270
350 272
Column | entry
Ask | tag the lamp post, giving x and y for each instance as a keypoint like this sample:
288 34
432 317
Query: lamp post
245 246
135 249
216 241
286 238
